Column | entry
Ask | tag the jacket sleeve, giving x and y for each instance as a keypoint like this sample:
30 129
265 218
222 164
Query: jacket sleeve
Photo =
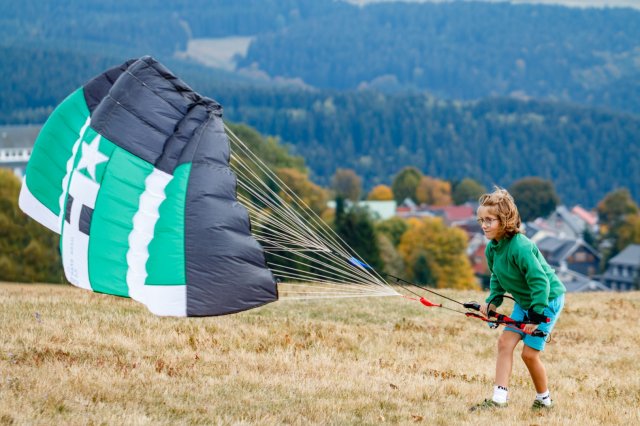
495 289
526 257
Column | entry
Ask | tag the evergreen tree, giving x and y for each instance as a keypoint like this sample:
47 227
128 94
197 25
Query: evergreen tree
422 271
405 184
588 237
355 227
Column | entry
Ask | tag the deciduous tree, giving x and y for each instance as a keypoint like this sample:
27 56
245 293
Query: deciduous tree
614 208
433 191
393 228
393 263
628 232
443 249
380 193
467 190
535 197
346 184
313 195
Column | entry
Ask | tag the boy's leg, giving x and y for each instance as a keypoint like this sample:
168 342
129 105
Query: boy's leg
504 362
531 354
531 358
534 345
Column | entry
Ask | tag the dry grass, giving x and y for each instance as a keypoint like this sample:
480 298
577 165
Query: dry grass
69 356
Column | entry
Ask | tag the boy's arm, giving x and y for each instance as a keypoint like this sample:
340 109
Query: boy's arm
527 261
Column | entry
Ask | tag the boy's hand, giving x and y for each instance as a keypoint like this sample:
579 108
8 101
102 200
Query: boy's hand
530 328
536 317
485 308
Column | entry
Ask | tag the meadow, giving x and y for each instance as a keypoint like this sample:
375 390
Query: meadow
69 356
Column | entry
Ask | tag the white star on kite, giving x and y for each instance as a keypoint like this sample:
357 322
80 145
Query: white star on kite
91 157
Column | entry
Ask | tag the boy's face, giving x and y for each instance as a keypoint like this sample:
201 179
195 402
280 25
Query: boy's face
489 222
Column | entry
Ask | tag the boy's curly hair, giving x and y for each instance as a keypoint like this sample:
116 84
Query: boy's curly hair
501 203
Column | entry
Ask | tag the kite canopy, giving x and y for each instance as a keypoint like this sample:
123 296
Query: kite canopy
132 170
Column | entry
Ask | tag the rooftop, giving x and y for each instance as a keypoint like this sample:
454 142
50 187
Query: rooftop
18 136
630 256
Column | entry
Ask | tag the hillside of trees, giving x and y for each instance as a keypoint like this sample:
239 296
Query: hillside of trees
464 50
387 73
585 152
454 50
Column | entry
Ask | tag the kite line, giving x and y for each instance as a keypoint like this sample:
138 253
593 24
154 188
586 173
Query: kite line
308 258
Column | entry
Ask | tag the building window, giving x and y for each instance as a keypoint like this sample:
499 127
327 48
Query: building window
584 256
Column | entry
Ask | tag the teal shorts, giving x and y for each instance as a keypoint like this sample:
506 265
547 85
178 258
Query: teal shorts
552 311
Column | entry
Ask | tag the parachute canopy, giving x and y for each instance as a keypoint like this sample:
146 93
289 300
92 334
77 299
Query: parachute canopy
132 169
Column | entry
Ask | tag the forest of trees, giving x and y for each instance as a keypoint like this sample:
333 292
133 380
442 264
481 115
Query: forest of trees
585 152
454 50
391 60
486 50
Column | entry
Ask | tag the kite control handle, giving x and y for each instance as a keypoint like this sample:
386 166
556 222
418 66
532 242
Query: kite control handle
507 321
538 333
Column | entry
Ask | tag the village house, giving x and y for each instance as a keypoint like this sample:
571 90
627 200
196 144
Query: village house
378 210
623 272
16 143
570 254
461 215
562 223
575 282
408 208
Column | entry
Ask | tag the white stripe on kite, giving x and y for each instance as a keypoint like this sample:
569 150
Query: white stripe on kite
33 207
168 300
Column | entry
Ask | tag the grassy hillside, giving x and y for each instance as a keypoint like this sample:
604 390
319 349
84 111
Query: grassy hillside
73 357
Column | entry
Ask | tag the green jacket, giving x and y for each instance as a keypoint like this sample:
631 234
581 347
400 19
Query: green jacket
517 267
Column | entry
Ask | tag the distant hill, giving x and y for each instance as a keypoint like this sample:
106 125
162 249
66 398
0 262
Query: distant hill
490 91
454 50
464 50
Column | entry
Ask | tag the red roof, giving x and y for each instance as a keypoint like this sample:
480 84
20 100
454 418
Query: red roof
588 217
456 213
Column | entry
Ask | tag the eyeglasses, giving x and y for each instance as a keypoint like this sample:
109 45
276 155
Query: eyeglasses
487 222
